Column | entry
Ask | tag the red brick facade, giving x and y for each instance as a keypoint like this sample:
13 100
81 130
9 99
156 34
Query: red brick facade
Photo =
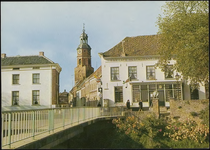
55 86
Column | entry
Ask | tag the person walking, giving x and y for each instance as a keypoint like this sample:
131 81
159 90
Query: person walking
99 104
140 105
128 104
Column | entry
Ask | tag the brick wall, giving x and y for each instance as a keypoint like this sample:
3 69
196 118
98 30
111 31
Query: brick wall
55 86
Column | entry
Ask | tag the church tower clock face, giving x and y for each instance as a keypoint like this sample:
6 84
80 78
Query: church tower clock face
79 51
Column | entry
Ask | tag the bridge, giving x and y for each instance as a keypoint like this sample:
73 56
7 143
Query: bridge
45 128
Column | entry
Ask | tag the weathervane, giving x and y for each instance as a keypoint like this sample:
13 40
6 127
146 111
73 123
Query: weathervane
83 27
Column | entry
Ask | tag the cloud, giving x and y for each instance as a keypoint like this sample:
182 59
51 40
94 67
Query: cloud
55 28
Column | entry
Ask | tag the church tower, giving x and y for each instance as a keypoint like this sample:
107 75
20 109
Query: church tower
84 68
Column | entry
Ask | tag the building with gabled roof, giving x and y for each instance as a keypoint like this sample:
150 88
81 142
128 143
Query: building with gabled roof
129 73
29 81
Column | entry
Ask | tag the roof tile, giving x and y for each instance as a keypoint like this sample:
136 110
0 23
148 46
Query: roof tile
25 60
139 45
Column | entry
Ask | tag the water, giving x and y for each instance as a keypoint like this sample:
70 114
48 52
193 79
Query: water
102 134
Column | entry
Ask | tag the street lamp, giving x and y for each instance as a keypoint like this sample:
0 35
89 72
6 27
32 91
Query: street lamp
177 79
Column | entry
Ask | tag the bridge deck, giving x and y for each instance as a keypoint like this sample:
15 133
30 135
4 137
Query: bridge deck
60 123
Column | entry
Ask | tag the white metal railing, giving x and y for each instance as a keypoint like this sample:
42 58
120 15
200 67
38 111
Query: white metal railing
23 124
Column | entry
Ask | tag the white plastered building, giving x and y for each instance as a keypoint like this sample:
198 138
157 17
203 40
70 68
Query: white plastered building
129 73
29 81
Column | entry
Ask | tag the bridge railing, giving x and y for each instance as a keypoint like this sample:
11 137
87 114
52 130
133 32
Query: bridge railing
23 124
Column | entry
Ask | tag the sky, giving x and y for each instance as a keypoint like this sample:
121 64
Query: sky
55 27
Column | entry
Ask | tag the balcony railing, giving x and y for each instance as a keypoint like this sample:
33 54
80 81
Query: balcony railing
23 124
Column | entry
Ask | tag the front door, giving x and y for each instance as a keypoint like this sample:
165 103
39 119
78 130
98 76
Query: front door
118 94
161 98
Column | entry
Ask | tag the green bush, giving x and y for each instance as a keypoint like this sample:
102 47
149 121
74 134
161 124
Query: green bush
204 115
193 114
157 133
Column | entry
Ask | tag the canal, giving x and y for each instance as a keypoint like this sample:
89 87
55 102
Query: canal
102 134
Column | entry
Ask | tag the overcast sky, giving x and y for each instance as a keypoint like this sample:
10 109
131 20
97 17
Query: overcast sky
55 27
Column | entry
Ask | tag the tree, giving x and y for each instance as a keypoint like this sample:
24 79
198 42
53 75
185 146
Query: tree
184 36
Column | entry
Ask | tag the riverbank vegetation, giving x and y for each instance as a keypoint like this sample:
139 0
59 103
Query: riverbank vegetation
159 133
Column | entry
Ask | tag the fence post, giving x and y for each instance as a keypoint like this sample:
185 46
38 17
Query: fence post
9 130
84 113
78 115
52 115
33 124
49 119
71 116
63 114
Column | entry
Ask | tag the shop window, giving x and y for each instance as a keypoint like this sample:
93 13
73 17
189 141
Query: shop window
152 87
143 87
136 93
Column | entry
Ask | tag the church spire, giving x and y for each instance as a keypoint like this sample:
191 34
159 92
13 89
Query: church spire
84 39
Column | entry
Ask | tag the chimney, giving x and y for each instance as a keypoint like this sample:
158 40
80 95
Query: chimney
3 55
41 53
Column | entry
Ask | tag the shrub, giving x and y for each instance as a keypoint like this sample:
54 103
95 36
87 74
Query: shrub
157 133
187 102
193 114
204 115
180 107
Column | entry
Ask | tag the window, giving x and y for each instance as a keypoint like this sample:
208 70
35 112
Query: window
16 68
150 72
15 79
207 90
89 62
118 94
15 98
114 73
177 91
36 78
35 94
136 93
194 93
132 72
169 72
79 61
